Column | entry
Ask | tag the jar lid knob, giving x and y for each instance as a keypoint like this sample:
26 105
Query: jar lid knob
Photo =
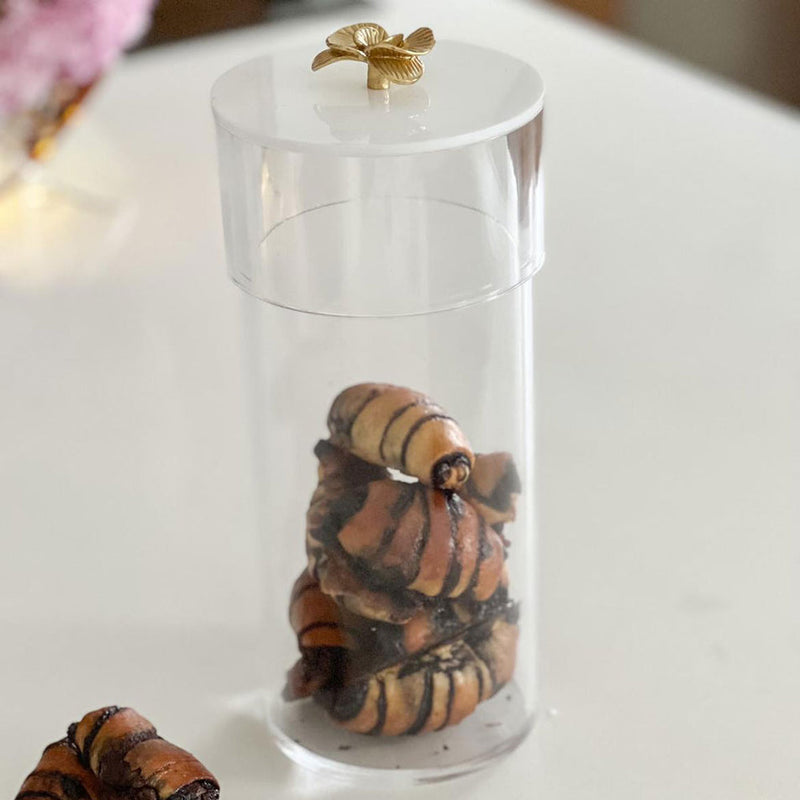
389 59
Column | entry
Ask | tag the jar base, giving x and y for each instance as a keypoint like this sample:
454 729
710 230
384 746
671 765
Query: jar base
305 734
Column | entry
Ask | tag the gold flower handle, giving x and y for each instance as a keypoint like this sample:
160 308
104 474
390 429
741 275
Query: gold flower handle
389 59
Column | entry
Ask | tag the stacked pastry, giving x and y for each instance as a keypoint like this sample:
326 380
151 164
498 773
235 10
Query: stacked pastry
403 617
116 754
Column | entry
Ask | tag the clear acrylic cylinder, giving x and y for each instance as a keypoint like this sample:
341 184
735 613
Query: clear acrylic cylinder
389 238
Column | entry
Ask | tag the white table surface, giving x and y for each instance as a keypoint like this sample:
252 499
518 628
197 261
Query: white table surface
668 344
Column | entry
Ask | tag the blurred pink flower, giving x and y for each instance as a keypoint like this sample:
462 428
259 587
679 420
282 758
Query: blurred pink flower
43 42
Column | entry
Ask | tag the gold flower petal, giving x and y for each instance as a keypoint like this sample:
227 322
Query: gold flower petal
334 54
342 38
419 42
396 65
392 59
369 34
346 37
353 51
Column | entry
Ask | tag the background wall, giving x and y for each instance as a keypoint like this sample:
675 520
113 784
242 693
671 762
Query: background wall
753 42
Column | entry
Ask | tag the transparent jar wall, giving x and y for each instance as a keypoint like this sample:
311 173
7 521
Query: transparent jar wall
387 235
475 361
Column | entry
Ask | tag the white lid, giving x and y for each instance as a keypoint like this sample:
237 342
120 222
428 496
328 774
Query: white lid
339 199
468 94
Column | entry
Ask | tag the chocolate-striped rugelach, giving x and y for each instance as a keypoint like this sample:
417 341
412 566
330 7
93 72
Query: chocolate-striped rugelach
405 539
396 427
401 537
338 647
428 692
493 487
61 775
126 753
338 472
322 638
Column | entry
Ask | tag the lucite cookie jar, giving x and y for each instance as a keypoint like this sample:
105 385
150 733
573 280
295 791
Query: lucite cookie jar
385 239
